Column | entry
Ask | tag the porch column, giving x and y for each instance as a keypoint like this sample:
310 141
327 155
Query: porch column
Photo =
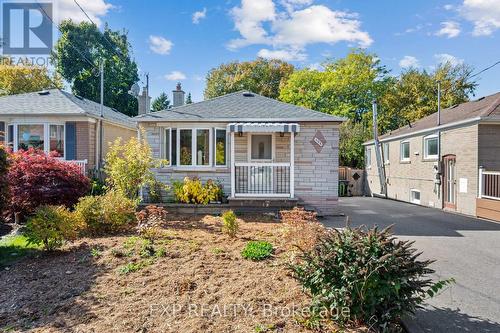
292 164
232 166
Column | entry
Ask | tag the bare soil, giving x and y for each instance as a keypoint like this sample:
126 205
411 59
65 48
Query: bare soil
200 284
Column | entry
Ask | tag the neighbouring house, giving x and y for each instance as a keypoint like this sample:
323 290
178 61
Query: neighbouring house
55 120
261 150
454 166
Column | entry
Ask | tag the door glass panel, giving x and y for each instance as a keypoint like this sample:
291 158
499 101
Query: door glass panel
30 136
262 147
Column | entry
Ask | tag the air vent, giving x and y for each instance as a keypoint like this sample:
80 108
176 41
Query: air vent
480 99
79 97
247 94
43 92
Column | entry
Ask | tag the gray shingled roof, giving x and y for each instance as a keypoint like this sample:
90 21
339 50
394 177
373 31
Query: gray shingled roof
484 108
58 102
239 106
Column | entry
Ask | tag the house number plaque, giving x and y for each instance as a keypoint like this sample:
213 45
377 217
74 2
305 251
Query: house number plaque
318 141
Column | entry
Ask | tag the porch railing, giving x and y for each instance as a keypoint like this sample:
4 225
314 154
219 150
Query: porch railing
262 179
489 184
82 165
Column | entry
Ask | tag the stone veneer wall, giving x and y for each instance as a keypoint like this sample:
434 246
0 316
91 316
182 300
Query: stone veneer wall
316 174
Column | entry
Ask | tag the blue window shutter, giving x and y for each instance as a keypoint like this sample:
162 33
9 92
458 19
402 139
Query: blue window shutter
2 131
70 141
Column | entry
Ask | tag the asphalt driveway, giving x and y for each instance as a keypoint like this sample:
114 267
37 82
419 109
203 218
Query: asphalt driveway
465 248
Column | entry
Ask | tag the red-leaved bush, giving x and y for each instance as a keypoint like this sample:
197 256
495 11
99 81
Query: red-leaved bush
37 179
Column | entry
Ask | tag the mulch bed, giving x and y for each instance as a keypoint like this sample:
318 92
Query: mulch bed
201 284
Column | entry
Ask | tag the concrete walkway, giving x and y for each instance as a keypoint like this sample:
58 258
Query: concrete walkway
465 248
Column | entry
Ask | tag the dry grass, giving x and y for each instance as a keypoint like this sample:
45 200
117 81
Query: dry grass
201 274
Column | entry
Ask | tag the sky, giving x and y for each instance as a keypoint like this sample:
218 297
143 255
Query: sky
176 40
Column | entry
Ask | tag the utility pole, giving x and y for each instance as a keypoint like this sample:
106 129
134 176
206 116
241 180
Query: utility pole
378 155
101 112
439 104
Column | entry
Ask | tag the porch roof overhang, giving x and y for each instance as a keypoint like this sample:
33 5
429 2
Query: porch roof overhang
264 127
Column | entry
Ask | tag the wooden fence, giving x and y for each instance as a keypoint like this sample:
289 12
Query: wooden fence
353 180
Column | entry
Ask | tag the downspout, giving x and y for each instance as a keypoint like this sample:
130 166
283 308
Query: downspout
438 180
378 154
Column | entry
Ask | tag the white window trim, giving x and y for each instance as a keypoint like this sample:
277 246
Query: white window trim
169 157
46 134
193 148
215 147
415 201
401 158
386 158
426 156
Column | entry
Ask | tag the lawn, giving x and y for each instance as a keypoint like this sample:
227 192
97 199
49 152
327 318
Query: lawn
13 248
192 279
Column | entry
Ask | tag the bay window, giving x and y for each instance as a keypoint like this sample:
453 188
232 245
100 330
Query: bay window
202 147
45 137
220 147
185 147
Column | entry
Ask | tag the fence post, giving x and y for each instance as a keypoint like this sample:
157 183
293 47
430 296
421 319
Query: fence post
481 184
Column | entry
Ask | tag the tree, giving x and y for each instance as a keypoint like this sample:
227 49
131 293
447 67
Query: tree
188 99
128 166
161 103
24 77
37 179
414 94
261 76
345 88
82 41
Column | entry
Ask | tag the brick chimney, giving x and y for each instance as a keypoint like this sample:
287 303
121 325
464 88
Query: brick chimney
178 95
144 101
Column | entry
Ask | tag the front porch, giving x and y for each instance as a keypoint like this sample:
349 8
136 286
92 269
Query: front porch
262 160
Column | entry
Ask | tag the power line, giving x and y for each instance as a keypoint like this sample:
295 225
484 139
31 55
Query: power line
485 69
116 50
75 48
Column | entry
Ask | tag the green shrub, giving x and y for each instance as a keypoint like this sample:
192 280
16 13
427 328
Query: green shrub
51 226
257 250
229 223
109 213
191 190
370 273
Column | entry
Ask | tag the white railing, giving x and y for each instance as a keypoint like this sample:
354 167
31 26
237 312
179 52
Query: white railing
489 184
82 165
262 180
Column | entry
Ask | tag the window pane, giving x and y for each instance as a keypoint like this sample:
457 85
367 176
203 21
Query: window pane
202 147
405 150
262 147
386 152
167 146
220 147
30 136
2 132
173 147
56 139
432 146
10 136
186 157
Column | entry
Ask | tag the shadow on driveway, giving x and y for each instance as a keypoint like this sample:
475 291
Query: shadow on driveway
456 321
408 219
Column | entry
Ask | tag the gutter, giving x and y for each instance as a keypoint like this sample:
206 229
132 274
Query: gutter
431 129
212 120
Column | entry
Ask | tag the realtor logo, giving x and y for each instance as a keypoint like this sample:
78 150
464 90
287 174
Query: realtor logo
318 141
26 28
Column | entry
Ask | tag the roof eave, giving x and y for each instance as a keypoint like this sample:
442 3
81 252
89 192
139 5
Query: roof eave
211 120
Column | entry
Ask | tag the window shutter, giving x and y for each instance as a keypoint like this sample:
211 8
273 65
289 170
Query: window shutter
2 131
70 141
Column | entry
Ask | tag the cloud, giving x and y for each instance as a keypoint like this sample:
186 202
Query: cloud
445 57
160 45
449 7
175 76
484 14
68 9
449 29
285 55
316 66
408 62
199 15
290 32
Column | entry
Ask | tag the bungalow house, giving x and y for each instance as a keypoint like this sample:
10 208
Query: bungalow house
261 150
55 120
453 166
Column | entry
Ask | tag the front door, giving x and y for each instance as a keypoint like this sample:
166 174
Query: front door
450 182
